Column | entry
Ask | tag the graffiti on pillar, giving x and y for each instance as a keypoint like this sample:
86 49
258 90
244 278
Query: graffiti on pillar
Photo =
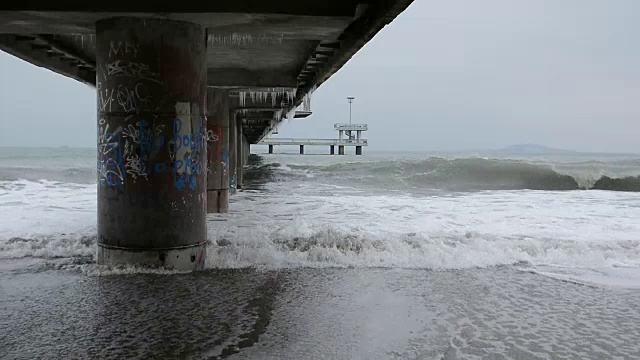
141 140
110 157
132 100
219 155
214 136
143 147
121 48
189 140
105 97
132 69
129 152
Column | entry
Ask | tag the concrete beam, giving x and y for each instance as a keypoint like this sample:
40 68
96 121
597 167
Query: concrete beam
256 109
48 57
250 44
377 15
241 77
290 7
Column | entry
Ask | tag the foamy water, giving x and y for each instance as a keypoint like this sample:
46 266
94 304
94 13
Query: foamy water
373 257
295 218
436 232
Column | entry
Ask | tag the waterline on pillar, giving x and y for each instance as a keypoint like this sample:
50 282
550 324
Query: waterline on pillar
185 258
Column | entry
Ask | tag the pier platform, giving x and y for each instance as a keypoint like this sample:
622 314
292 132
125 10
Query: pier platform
345 138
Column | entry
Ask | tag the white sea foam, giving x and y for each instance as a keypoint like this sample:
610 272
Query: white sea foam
103 270
577 229
47 219
301 223
627 277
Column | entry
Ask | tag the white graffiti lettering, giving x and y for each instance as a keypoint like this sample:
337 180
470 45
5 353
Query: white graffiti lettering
132 69
212 137
119 48
105 98
136 167
131 101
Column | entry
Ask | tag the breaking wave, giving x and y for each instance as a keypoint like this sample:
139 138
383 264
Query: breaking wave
328 246
288 224
50 246
467 174
333 247
81 175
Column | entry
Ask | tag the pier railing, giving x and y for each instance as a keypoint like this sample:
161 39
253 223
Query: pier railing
350 127
337 142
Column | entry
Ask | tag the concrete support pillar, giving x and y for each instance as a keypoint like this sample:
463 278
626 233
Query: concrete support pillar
332 149
340 150
301 149
239 154
151 85
358 150
270 149
340 135
246 151
233 153
217 150
358 135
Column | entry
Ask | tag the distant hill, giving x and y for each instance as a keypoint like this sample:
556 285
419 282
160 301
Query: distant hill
532 149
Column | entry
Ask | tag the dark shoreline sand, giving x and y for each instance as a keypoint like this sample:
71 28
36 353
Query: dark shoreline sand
494 313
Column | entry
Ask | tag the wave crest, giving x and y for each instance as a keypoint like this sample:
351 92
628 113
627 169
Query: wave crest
465 174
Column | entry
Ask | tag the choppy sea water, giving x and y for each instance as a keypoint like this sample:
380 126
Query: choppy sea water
385 256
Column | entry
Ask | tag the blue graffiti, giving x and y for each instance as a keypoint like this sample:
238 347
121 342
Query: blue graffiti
189 167
161 168
185 167
149 140
194 142
186 180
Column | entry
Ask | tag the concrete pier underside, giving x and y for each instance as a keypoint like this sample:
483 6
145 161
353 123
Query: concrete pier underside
165 76
280 50
151 85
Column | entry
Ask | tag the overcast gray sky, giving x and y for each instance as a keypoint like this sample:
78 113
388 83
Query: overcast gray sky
446 75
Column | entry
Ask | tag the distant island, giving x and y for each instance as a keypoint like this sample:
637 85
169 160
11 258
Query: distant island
533 149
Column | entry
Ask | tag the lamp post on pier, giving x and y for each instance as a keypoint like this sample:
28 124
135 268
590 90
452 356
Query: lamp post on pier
350 98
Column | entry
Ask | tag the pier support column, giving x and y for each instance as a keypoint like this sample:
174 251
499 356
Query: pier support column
246 151
151 86
358 150
340 149
239 155
301 149
217 150
270 149
233 153
332 150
